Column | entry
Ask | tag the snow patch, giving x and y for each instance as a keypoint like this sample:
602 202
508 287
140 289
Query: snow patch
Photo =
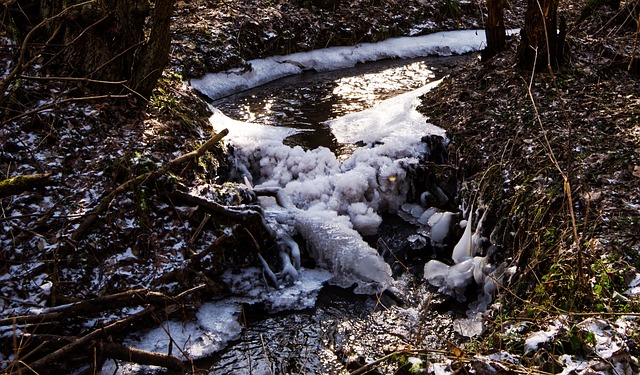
215 324
261 71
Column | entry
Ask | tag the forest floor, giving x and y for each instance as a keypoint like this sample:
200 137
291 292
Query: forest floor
520 143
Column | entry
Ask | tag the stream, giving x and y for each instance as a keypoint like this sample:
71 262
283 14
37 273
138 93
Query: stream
334 158
304 101
341 331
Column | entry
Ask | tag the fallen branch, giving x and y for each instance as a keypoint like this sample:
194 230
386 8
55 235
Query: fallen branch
250 215
141 357
136 181
242 213
129 298
18 184
50 361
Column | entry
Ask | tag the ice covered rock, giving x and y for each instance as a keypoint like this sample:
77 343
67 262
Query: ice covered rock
440 224
426 215
450 280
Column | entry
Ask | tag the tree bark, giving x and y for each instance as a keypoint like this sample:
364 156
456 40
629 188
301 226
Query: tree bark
102 38
539 37
155 54
99 40
494 29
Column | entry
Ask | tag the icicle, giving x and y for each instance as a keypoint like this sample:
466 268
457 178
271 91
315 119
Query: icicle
478 241
343 251
268 275
462 250
247 182
291 247
288 274
478 265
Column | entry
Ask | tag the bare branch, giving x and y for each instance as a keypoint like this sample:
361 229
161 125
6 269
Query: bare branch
50 360
136 181
77 79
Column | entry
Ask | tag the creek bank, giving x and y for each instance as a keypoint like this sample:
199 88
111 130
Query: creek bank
556 159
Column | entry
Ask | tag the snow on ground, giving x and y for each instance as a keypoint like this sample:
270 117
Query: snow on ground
218 85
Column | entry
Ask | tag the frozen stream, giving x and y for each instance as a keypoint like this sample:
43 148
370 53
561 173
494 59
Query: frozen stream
339 148
341 327
306 100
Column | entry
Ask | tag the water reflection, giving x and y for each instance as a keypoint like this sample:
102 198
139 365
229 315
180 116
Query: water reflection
355 93
307 100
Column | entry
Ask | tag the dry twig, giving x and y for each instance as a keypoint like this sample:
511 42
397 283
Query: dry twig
139 180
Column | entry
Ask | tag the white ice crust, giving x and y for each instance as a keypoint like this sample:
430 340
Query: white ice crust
336 201
446 43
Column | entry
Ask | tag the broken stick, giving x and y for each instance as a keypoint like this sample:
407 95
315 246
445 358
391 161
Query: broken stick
136 181
18 184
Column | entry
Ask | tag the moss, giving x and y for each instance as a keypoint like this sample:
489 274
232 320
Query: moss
18 184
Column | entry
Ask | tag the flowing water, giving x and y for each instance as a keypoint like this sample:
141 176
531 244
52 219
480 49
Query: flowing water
342 330
307 100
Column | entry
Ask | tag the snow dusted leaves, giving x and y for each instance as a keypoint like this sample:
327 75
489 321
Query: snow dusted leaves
609 342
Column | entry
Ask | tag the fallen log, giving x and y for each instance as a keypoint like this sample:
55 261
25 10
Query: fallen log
18 184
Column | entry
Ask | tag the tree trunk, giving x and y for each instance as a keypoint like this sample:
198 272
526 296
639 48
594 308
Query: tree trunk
155 54
494 29
102 40
539 38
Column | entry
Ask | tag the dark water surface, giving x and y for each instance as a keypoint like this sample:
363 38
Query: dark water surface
307 100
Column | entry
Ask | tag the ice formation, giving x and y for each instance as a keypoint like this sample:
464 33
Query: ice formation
467 268
352 192
447 43
343 251
462 250
331 203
